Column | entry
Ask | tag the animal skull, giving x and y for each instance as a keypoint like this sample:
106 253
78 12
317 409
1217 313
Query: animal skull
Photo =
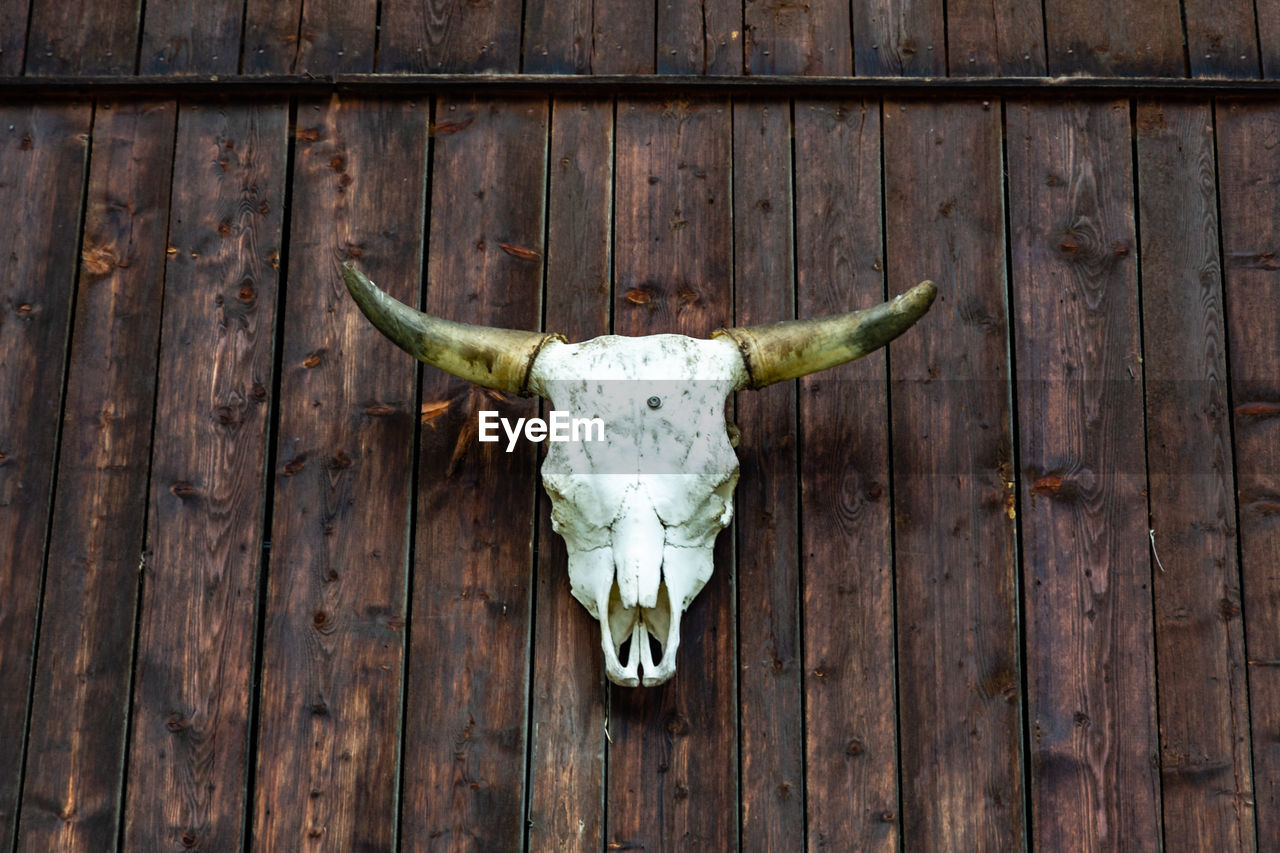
640 511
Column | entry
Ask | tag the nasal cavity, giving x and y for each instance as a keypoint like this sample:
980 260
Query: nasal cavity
638 539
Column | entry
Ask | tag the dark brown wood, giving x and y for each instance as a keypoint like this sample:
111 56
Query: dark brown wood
337 36
1000 39
1268 18
83 37
188 761
331 683
1222 40
953 500
566 775
847 585
271 31
192 38
467 709
623 36
42 163
768 565
1248 172
80 702
1204 706
13 35
558 36
899 38
673 760
459 36
1132 38
699 38
785 37
1086 554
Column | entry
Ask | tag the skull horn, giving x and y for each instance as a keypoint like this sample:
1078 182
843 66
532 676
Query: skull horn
773 352
495 358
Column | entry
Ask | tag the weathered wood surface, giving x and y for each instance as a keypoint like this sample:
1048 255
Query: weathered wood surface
1221 40
699 38
466 717
450 36
771 722
42 183
71 792
783 37
568 693
845 551
954 515
355 627
1130 38
330 687
899 38
1248 174
192 38
1001 39
189 758
83 37
673 760
13 35
1086 560
1204 722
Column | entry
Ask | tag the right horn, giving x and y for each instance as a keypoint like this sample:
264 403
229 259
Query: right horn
773 352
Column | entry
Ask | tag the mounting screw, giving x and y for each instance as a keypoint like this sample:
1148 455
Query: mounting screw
654 402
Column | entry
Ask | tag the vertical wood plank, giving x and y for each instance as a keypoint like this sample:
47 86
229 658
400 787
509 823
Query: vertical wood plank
623 40
42 163
558 36
958 635
469 663
1131 38
1000 39
899 38
83 37
769 653
13 35
699 38
328 730
71 793
673 760
1248 173
450 36
1090 662
1204 708
1222 40
566 776
1268 20
785 37
192 38
847 593
188 759
271 31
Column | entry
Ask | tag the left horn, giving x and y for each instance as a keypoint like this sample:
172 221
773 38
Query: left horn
495 358
773 352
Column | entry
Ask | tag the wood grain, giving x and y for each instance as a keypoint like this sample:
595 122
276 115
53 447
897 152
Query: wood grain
699 38
189 753
558 36
13 35
567 740
1221 38
271 32
1268 19
331 682
1204 704
1000 39
337 36
1133 38
467 710
768 566
192 38
673 760
80 701
83 37
899 38
846 559
1086 558
1248 135
953 499
42 171
785 37
623 36
450 36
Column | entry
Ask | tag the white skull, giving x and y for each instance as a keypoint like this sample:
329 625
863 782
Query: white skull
640 511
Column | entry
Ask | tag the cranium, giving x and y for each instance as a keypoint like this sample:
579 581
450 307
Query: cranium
640 511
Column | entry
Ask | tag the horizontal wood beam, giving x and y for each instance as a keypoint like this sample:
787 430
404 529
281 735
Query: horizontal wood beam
607 85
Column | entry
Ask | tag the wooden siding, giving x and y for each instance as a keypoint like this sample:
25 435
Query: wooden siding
1010 582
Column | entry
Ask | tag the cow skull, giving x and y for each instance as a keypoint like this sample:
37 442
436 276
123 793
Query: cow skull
640 511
